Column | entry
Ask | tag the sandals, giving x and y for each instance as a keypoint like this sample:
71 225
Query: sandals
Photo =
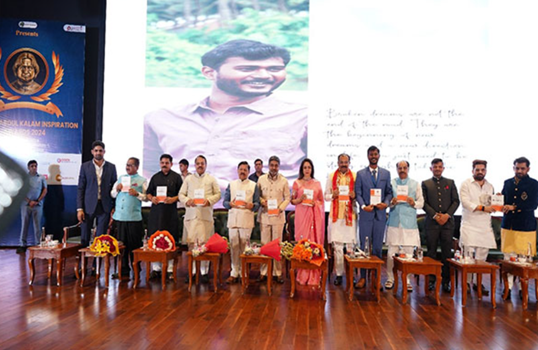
389 284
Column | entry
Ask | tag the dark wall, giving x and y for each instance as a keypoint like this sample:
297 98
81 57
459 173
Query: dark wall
92 14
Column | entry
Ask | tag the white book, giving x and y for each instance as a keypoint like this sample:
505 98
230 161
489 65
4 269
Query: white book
161 193
375 196
240 198
309 201
199 196
402 192
272 207
343 193
125 183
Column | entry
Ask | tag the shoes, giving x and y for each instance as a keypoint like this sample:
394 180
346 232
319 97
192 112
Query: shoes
410 288
232 280
485 292
93 273
278 279
154 275
389 284
520 295
262 278
187 278
204 278
446 287
431 286
509 297
21 250
361 283
170 275
338 280
469 288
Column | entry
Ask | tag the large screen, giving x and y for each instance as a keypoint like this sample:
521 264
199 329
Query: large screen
420 80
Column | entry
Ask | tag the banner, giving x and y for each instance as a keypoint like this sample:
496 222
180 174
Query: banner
41 102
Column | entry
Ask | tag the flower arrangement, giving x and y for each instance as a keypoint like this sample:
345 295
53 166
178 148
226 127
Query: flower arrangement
162 241
252 249
308 251
105 244
198 250
215 244
286 249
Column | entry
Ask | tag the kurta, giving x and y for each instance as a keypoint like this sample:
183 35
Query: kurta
164 216
211 193
476 228
402 226
242 217
278 189
519 226
338 231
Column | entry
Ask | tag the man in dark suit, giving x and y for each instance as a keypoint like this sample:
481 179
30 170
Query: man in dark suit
94 201
440 203
373 214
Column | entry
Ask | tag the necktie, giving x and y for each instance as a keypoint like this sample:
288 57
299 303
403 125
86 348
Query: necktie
373 177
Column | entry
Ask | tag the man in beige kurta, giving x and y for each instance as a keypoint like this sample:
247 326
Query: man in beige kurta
199 193
274 198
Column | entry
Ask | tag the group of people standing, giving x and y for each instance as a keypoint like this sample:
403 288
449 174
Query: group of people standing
358 209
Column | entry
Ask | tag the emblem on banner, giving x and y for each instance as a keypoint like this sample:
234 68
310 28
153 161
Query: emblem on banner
26 73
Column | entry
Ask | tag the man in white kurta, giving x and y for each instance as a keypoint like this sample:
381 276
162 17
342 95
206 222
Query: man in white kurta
199 193
242 199
402 228
274 198
342 230
476 231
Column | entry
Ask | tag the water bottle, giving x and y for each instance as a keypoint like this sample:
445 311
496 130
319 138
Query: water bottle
420 254
367 247
529 252
42 243
457 255
145 240
401 252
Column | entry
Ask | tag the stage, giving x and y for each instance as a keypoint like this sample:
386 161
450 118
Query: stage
44 316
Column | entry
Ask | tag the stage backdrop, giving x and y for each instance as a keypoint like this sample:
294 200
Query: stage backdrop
453 79
42 119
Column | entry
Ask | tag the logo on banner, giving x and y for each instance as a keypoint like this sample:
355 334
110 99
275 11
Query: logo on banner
26 73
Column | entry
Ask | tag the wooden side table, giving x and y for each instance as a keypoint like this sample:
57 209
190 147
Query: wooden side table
524 272
298 264
478 267
149 256
427 266
59 253
214 258
87 253
371 263
246 260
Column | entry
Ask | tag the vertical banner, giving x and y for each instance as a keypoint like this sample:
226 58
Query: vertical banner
41 103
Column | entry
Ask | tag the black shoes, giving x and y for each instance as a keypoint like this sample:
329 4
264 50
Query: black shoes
204 278
21 250
446 287
485 292
262 278
431 286
338 280
278 279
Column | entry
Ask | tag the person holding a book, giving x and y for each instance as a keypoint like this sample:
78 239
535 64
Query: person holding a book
476 233
402 228
199 193
374 193
242 199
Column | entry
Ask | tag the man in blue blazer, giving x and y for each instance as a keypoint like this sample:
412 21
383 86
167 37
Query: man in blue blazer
94 201
372 217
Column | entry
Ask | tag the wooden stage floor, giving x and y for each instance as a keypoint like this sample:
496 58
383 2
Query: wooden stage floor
45 316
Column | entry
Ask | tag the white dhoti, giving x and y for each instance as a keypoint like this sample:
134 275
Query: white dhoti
238 243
